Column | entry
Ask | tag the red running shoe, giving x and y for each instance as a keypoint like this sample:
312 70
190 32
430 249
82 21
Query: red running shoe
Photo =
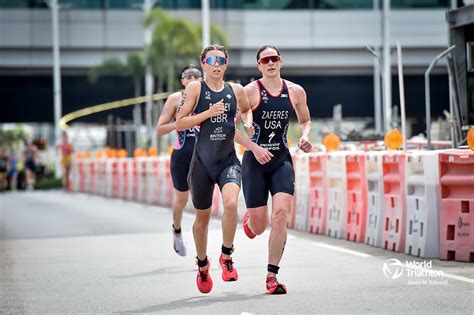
229 273
203 280
247 230
274 287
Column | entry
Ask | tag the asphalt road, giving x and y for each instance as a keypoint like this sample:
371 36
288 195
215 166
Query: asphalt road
74 253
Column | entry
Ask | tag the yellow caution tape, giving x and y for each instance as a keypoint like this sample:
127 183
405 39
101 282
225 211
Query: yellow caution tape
107 106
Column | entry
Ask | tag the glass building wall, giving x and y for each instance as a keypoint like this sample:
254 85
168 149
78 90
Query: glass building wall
231 4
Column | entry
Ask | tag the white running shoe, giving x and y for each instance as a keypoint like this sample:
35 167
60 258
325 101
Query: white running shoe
178 245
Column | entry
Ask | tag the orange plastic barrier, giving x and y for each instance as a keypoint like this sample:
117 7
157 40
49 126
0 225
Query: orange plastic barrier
134 178
393 165
125 171
318 203
101 177
82 176
155 182
93 176
456 205
169 183
356 197
142 181
116 178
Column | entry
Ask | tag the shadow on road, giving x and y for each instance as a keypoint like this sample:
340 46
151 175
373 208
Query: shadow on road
168 270
194 302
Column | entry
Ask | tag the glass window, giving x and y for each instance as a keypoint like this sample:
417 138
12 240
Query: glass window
414 4
125 4
13 3
178 4
231 4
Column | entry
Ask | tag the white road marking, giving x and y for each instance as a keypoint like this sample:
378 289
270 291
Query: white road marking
342 250
356 253
444 274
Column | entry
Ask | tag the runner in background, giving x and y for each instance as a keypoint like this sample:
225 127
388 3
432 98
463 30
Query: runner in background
182 153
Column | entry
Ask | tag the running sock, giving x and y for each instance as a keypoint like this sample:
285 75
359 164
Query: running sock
272 268
176 231
227 250
202 263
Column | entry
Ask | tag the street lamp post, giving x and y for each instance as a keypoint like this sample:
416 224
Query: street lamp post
206 36
147 6
427 93
387 65
378 103
54 6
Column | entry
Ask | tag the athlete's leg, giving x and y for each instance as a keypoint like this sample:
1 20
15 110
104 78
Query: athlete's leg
68 177
255 188
201 187
230 196
200 228
64 179
229 181
181 198
281 203
30 181
282 189
258 219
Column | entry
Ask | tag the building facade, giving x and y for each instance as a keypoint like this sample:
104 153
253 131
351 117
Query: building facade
323 44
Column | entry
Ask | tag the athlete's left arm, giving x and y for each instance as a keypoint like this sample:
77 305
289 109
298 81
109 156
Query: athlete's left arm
244 109
302 113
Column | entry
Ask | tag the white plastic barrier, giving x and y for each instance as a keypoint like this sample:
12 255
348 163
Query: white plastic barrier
142 179
153 180
374 228
74 175
318 193
422 180
109 180
302 190
125 174
165 182
90 173
134 179
337 193
101 177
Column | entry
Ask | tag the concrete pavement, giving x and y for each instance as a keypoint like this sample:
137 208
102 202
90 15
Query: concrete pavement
74 253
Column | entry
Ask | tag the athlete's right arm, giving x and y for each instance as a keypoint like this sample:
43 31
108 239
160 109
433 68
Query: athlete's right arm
253 95
261 155
165 123
184 119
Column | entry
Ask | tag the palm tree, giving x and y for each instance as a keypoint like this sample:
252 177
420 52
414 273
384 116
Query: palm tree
176 43
217 35
135 69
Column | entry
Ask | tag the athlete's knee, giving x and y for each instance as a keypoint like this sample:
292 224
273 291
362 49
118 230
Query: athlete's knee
258 223
180 201
230 204
280 216
202 217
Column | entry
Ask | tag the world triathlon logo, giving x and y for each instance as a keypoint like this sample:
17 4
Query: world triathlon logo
393 268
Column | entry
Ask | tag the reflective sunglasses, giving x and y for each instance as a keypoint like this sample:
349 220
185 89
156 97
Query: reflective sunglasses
191 73
265 60
212 60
